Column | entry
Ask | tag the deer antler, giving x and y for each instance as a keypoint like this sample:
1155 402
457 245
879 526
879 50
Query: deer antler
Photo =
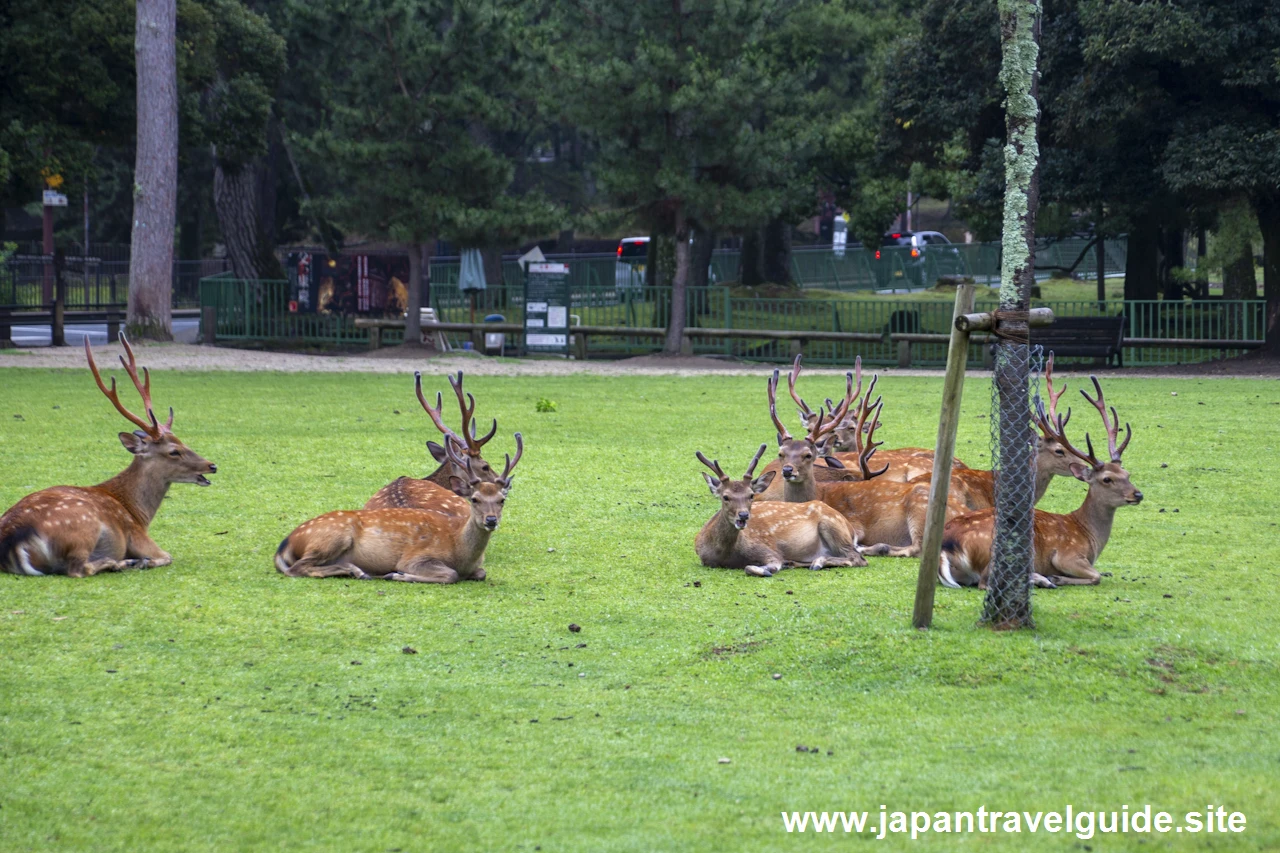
838 412
751 469
1057 429
468 426
1112 426
512 463
151 426
773 408
436 414
714 465
806 414
867 447
1053 400
462 461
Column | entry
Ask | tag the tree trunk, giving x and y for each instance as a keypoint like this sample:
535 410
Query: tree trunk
1172 255
751 266
1008 600
777 252
1239 281
699 268
419 275
155 178
235 198
1268 210
679 287
1140 278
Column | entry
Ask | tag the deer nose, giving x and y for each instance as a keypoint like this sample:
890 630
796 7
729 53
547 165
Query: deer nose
787 470
743 516
1137 496
213 469
491 521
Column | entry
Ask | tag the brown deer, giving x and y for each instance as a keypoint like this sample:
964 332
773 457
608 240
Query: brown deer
977 488
888 515
1066 546
79 531
416 545
796 456
433 491
772 536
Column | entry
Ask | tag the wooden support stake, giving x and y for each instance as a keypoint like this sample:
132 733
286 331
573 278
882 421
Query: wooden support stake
943 455
208 324
904 353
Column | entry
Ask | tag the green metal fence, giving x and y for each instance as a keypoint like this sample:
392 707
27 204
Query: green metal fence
259 310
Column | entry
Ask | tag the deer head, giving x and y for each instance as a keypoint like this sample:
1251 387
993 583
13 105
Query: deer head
1109 482
736 495
1052 457
487 498
155 448
797 455
469 443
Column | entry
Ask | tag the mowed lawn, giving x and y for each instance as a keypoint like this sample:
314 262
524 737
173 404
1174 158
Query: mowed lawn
217 705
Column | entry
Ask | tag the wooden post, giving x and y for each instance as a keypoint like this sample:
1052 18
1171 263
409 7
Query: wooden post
796 348
209 324
375 337
58 327
944 453
580 346
904 353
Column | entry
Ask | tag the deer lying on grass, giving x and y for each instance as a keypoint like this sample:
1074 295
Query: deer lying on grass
772 536
79 531
416 545
977 488
433 491
1066 546
889 516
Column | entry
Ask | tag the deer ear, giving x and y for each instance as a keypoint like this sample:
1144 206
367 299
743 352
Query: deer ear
134 442
460 487
506 485
437 452
713 483
762 482
1081 472
833 462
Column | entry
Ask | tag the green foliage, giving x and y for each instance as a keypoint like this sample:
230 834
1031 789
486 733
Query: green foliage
407 108
273 713
545 405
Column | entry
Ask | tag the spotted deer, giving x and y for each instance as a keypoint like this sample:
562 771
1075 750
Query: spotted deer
404 544
796 456
977 488
433 491
762 538
888 515
80 531
1066 546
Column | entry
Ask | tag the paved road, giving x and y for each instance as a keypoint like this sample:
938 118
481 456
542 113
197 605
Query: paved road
185 330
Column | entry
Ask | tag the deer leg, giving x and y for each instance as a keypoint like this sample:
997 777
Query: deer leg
841 540
1041 581
423 570
306 568
1073 571
143 553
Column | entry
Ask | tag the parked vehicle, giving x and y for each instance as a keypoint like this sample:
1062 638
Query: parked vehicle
914 259
633 254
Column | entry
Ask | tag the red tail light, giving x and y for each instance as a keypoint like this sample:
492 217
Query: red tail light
619 250
915 253
877 254
895 236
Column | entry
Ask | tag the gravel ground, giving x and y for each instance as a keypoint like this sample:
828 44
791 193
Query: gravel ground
406 360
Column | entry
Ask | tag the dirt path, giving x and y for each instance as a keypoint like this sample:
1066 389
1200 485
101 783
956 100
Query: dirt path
403 360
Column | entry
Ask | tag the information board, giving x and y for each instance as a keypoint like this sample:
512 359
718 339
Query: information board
546 308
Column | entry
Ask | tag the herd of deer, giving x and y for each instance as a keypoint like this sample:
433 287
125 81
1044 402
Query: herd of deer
829 508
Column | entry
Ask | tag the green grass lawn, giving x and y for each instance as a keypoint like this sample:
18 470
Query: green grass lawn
217 705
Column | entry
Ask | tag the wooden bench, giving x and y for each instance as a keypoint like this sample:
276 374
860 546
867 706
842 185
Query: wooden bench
1090 337
11 316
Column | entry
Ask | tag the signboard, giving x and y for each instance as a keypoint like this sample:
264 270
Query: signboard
53 198
546 308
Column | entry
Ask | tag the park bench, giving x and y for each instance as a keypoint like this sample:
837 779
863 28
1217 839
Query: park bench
1088 337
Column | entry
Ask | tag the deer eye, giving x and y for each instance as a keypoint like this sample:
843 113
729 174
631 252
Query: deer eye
475 500
174 453
1106 480
725 498
808 456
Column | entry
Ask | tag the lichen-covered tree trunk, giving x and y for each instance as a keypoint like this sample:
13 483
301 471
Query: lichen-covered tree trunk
1008 601
155 177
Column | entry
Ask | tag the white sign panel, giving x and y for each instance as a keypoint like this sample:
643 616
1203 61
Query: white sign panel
53 198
